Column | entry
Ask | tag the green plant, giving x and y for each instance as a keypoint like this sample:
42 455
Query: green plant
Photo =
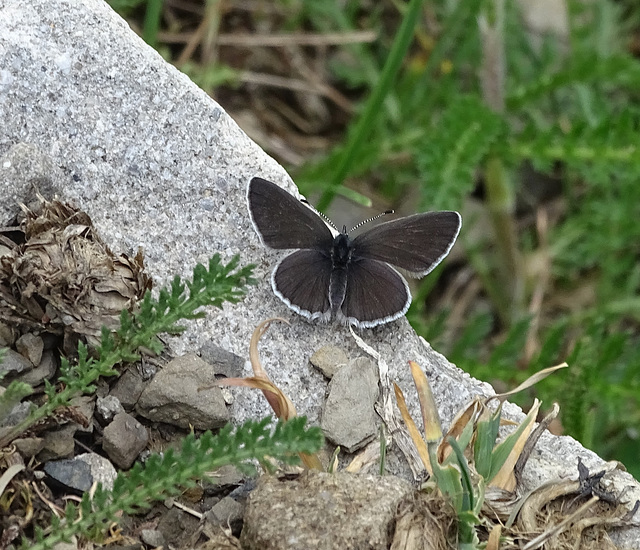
169 474
469 458
210 287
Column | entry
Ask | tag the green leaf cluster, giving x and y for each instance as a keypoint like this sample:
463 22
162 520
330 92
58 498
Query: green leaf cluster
464 481
451 152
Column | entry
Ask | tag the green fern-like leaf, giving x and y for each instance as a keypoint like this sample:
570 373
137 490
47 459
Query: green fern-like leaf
167 475
591 68
450 154
596 151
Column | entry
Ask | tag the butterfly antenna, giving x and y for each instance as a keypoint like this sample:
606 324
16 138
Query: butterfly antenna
358 226
325 218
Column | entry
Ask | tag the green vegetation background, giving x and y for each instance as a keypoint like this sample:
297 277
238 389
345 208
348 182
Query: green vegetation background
532 134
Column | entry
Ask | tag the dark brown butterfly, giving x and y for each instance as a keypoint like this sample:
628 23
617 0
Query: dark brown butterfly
331 275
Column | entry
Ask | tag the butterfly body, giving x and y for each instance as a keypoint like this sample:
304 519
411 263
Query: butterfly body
335 277
340 260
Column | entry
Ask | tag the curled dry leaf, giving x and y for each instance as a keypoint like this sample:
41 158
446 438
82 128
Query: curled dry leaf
281 404
563 516
63 279
470 413
428 407
8 475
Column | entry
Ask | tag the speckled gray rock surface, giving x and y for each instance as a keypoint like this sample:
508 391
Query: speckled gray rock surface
157 164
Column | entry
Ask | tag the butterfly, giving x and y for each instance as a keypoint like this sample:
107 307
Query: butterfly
332 276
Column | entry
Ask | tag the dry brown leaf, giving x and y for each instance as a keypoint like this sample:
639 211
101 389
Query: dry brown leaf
416 437
280 403
505 478
64 280
494 538
430 416
531 381
466 415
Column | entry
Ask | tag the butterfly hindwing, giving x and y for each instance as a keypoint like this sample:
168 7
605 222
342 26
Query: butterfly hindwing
416 243
376 294
301 280
282 221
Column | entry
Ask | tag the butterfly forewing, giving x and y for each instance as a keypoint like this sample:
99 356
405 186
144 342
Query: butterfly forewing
282 221
301 280
376 294
416 243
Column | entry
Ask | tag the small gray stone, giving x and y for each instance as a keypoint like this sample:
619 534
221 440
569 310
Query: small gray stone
44 371
124 439
14 363
184 394
102 470
58 443
107 407
29 446
223 361
226 512
71 473
81 472
349 418
224 478
128 388
17 414
152 537
30 346
328 359
85 405
177 527
7 335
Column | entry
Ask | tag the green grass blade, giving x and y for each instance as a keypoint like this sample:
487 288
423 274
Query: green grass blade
364 125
